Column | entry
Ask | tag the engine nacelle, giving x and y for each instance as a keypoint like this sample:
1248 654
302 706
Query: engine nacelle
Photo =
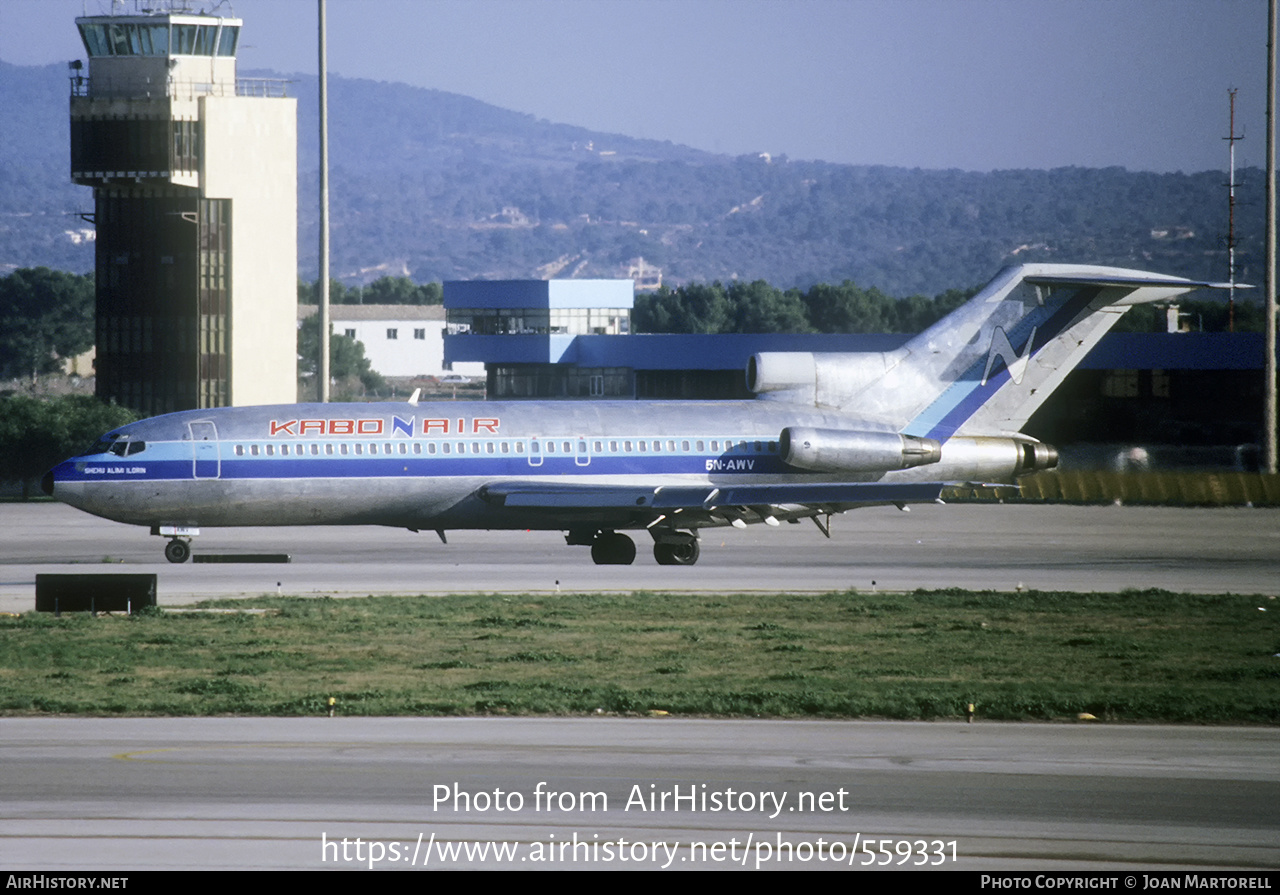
979 458
841 450
829 379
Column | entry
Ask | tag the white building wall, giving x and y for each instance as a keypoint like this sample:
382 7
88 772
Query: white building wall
250 157
399 340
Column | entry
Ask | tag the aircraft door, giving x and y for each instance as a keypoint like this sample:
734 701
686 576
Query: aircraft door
206 457
535 452
581 452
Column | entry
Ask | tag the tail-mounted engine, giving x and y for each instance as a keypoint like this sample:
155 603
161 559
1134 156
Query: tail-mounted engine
839 450
961 457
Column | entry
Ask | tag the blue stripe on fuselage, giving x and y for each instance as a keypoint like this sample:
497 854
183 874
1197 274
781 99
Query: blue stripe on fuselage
173 462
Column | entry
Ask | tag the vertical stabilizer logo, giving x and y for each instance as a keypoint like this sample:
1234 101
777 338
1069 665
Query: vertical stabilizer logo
1001 348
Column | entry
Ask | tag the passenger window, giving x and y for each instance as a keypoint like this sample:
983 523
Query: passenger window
253 450
239 450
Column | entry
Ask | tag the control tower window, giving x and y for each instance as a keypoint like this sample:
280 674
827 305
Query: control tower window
227 39
125 39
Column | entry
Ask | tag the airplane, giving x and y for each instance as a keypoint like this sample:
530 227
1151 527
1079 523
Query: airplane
825 433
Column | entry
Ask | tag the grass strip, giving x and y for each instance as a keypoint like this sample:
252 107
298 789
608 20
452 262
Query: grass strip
1148 656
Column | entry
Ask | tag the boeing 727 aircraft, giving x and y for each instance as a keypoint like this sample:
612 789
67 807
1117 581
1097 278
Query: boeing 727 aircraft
826 433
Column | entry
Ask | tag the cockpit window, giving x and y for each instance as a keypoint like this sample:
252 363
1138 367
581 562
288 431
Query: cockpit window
104 444
121 447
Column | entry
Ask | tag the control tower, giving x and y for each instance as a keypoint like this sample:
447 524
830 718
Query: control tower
194 176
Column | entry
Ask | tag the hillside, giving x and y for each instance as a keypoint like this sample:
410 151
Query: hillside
439 186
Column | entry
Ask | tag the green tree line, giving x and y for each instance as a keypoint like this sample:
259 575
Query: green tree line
36 434
382 291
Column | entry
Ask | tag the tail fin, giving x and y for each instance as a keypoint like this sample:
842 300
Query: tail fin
984 368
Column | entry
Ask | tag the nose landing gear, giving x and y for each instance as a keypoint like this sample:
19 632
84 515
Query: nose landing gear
177 550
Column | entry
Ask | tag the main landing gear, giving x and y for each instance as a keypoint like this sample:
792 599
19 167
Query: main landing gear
676 549
177 550
611 548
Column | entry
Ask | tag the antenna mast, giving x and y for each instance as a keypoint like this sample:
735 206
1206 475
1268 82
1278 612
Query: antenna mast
1231 217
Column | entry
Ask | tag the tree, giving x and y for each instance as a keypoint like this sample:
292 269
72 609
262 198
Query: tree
695 308
309 293
846 308
45 315
761 308
35 435
346 356
401 291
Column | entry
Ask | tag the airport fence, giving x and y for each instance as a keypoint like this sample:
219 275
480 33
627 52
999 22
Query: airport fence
1192 489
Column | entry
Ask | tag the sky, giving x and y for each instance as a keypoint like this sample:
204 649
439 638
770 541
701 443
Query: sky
972 84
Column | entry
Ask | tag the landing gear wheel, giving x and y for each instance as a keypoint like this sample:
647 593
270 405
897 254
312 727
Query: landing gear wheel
677 553
613 549
177 551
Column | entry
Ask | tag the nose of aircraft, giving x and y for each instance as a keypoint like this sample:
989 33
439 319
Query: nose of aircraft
46 483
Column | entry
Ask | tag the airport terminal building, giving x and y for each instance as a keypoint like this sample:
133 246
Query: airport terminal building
572 340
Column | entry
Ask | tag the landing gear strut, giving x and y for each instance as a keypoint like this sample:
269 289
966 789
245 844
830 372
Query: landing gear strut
177 550
613 549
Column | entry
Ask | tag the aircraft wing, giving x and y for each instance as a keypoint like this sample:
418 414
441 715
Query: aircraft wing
666 498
